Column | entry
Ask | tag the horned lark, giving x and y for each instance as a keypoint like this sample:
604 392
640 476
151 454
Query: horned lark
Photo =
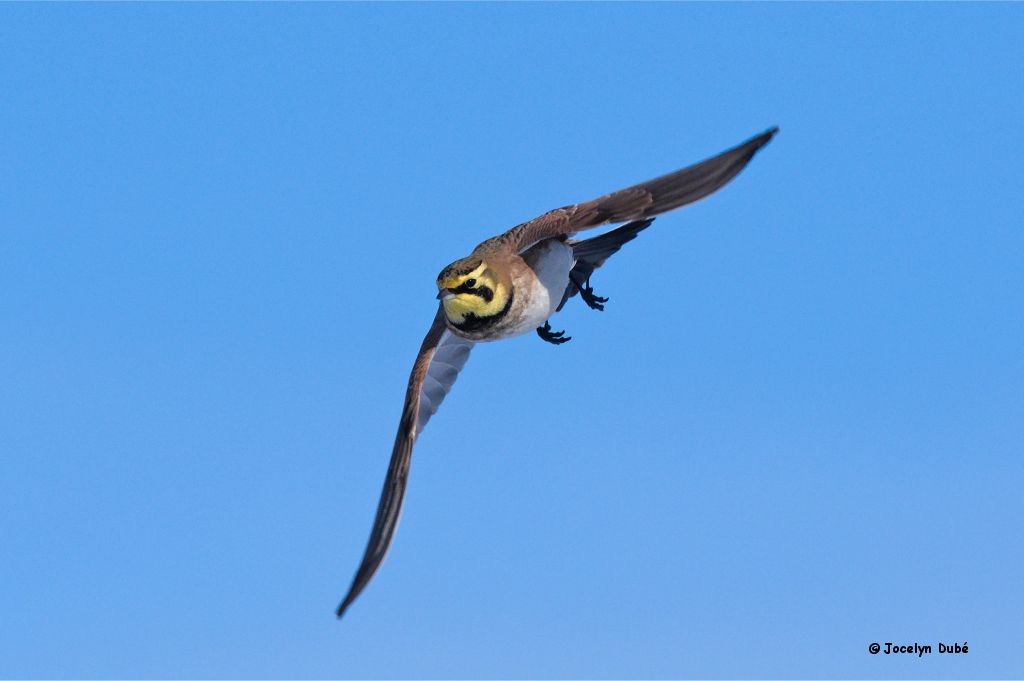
512 284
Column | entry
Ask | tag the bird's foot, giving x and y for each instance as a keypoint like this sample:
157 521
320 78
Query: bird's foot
593 301
554 337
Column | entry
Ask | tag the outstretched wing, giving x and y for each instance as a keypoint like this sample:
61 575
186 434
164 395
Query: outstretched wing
643 200
591 253
442 355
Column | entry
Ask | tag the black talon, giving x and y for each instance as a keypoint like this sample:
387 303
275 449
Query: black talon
554 337
594 302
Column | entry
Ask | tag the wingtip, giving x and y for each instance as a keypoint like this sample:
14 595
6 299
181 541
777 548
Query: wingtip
343 606
758 142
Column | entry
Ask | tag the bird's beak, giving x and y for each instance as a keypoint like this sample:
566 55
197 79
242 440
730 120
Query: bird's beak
445 294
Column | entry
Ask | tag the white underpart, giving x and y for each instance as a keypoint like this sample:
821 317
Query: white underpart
551 262
542 287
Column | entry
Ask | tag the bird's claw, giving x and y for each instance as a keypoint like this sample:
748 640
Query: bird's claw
593 301
553 337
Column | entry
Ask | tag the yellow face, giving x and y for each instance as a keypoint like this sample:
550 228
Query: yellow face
477 294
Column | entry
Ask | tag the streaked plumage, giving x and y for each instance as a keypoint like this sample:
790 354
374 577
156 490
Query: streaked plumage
511 284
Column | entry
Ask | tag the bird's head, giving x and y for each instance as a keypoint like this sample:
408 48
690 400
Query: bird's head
472 289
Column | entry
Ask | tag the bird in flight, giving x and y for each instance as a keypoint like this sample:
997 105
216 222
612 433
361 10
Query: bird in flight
512 284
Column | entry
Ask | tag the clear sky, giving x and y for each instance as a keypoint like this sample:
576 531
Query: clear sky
796 430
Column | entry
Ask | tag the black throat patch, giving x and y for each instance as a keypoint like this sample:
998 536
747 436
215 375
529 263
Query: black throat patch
471 322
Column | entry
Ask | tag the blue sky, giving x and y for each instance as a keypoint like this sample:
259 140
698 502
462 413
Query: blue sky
795 431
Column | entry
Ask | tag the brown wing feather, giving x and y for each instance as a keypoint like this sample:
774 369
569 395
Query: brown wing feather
440 358
643 200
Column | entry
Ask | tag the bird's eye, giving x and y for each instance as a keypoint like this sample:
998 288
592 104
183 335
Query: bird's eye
470 283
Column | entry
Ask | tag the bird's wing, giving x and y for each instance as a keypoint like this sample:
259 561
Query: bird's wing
591 253
438 363
643 200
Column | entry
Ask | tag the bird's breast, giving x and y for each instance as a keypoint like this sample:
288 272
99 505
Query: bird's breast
542 282
539 278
